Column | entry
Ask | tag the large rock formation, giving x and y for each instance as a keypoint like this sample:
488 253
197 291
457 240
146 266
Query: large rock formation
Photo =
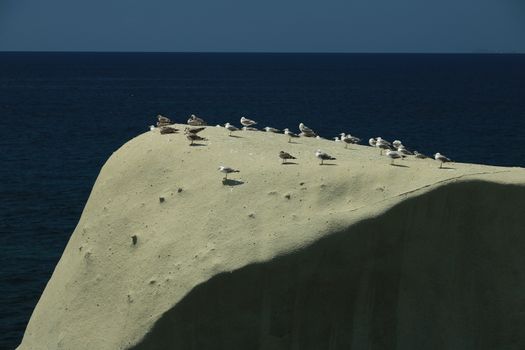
356 255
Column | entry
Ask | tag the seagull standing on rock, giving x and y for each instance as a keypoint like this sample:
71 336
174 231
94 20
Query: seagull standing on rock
397 143
230 128
323 156
349 139
247 122
193 130
227 170
196 121
290 134
393 155
401 149
306 131
441 158
285 156
194 137
163 121
382 144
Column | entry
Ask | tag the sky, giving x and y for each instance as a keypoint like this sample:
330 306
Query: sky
263 25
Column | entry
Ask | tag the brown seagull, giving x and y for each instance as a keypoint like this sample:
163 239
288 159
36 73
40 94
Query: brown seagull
285 156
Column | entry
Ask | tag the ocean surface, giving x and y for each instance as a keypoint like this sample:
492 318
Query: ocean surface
63 114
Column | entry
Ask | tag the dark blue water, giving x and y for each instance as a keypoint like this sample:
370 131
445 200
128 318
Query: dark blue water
62 115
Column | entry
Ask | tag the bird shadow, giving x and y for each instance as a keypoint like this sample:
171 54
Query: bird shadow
328 164
295 143
289 163
237 137
197 144
446 167
231 182
400 165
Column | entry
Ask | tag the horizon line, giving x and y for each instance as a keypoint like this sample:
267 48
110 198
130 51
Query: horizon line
275 52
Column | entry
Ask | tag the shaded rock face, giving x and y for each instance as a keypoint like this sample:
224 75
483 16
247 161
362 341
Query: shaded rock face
445 270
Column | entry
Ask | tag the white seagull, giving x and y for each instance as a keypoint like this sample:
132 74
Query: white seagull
247 122
402 149
227 170
230 128
306 131
372 142
349 139
290 134
393 155
323 156
270 129
382 144
397 143
441 158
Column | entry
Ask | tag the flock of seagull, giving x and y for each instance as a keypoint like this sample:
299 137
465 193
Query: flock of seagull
394 150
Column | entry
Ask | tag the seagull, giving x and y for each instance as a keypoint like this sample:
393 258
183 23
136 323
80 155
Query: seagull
163 121
290 134
168 130
393 155
397 143
152 128
354 139
323 156
349 139
227 170
230 128
193 130
270 129
419 155
441 158
194 137
336 139
196 121
285 156
249 128
306 131
402 149
372 142
382 144
380 140
247 122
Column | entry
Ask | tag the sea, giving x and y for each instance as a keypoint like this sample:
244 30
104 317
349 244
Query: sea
63 114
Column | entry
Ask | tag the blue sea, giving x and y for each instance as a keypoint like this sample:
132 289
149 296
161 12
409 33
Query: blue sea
63 114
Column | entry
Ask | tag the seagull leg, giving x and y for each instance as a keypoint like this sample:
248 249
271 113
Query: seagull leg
346 145
441 165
